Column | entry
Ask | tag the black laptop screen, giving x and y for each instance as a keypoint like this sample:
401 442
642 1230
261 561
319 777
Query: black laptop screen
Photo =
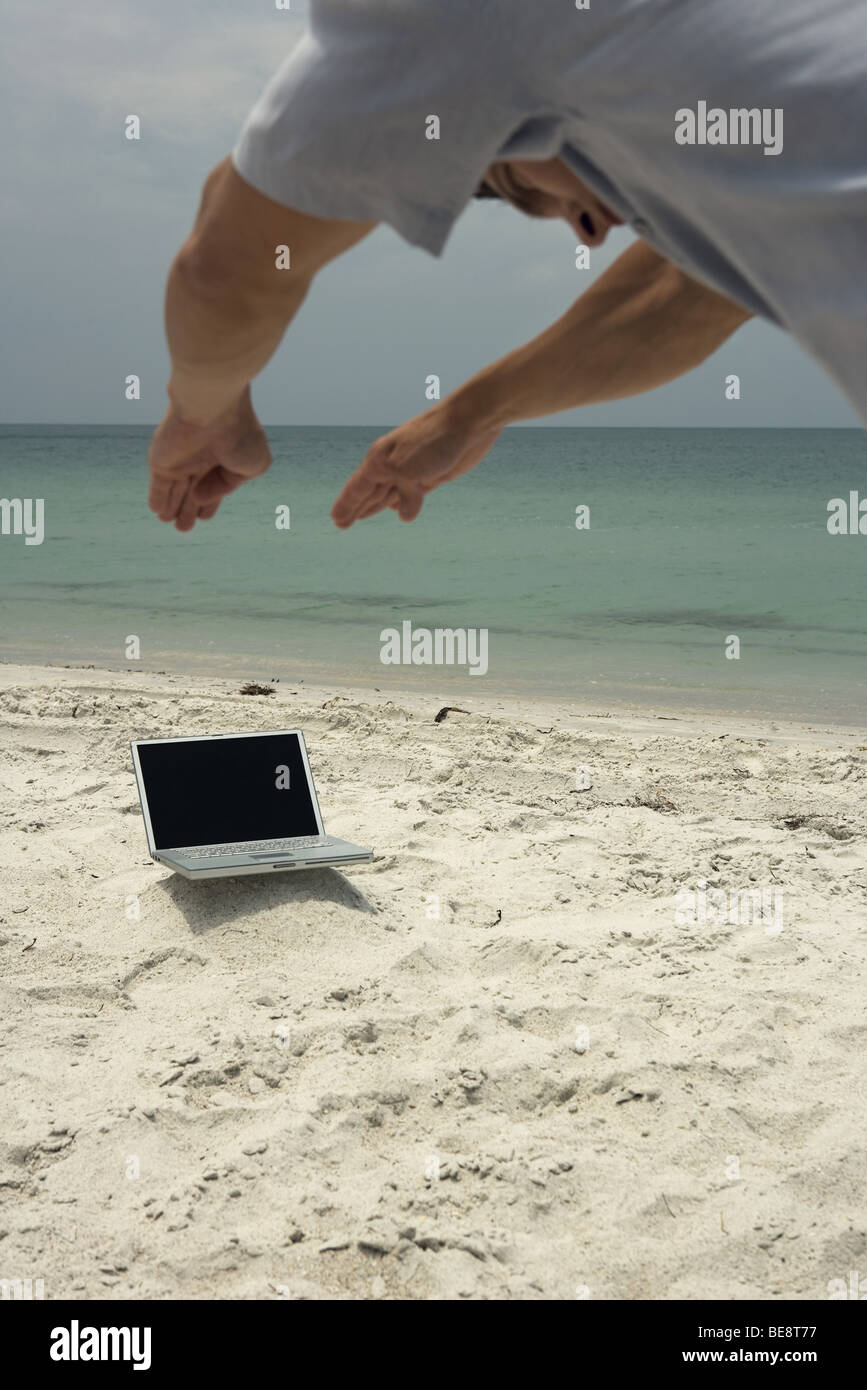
224 790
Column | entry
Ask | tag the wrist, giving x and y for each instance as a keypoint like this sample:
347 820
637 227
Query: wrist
205 406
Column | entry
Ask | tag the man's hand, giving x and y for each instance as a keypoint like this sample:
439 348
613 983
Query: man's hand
228 304
402 467
193 467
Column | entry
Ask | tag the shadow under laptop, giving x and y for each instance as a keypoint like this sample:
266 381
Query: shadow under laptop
216 902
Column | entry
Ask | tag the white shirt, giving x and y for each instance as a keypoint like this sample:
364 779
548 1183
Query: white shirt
343 130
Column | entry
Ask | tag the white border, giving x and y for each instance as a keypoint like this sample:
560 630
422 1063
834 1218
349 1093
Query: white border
135 744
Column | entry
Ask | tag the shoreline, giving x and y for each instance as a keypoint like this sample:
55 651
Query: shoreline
565 709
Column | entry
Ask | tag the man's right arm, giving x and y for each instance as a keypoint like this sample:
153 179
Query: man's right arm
228 303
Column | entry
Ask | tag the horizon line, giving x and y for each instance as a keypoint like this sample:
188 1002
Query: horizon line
361 425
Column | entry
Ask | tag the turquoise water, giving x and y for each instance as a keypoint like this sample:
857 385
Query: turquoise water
694 535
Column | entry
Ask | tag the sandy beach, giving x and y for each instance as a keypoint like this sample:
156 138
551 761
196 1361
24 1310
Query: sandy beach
505 1060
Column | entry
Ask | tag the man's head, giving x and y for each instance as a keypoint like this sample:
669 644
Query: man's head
547 188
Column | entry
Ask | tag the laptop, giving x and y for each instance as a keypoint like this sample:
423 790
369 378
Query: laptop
227 804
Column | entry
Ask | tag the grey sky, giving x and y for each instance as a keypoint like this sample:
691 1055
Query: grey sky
90 222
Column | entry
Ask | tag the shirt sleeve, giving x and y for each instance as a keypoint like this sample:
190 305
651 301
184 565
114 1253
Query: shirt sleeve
344 128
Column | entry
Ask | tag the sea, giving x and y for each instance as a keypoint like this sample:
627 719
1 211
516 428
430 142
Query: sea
701 574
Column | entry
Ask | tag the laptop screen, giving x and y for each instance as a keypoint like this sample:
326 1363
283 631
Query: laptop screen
215 791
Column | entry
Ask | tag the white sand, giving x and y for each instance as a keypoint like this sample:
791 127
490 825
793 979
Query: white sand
285 1061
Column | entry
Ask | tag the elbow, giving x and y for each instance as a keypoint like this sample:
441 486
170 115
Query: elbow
228 253
201 269
209 269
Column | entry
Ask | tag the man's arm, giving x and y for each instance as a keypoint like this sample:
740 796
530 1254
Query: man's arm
641 324
227 308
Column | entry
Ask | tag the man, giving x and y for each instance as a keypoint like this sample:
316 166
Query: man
730 136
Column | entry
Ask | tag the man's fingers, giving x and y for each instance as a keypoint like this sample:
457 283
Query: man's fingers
193 468
410 504
174 497
160 496
189 498
362 498
188 510
350 505
407 506
360 491
217 483
381 499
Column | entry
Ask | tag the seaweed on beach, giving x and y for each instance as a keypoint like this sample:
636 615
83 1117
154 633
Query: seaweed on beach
655 800
251 688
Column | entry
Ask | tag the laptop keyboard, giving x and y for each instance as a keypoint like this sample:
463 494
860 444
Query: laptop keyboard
255 847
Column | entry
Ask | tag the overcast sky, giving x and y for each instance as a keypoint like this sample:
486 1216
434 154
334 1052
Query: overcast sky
90 222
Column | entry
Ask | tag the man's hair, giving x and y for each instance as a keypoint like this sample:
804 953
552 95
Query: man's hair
527 200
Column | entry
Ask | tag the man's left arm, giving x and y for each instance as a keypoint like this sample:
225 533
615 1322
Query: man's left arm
641 324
